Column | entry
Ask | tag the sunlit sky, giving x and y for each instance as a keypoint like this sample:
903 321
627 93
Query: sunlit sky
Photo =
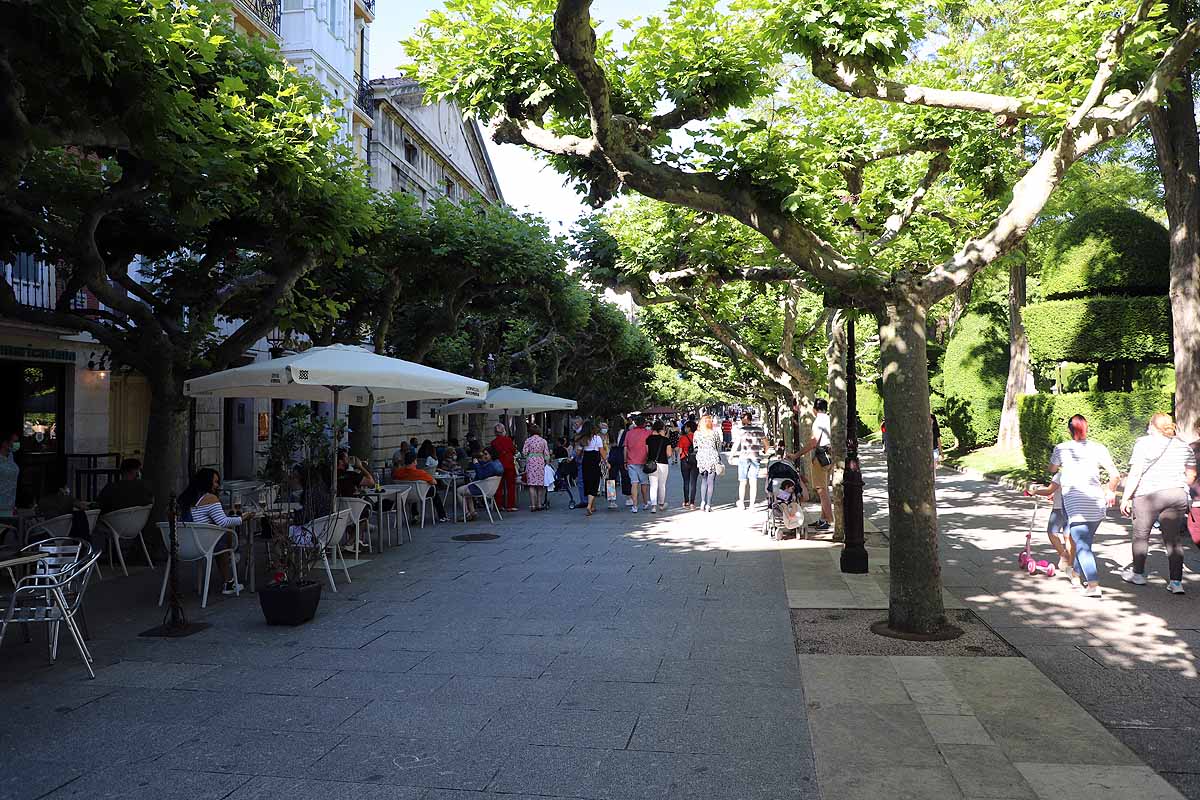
527 184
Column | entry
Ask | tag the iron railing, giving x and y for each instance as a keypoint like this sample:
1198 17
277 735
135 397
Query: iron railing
363 95
35 283
269 11
369 5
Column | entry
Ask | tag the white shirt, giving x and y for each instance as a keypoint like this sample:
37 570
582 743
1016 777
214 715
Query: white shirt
1163 461
1056 498
1079 470
595 443
821 429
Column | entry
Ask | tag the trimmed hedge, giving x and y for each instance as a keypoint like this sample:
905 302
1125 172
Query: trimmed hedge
1093 329
1115 419
974 372
1107 251
870 408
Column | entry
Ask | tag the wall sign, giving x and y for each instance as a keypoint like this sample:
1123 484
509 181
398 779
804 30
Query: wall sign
37 354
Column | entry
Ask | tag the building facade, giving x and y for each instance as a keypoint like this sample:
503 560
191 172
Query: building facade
61 391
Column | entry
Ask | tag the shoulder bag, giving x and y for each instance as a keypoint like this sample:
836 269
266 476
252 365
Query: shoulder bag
651 465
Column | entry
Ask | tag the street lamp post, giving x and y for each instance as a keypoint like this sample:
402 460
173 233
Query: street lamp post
854 551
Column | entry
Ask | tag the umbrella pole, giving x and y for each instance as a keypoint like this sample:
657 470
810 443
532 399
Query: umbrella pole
333 432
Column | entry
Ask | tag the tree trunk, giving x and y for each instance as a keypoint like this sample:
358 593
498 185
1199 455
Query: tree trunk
1173 127
916 578
163 464
1019 373
835 330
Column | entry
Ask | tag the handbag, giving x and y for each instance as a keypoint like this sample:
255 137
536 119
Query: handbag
1193 524
821 454
720 468
651 465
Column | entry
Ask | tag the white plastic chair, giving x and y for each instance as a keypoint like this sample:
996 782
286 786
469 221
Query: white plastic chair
126 523
356 506
326 534
488 486
52 528
398 516
197 542
422 497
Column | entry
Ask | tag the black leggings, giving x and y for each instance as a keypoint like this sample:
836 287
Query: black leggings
1170 508
690 475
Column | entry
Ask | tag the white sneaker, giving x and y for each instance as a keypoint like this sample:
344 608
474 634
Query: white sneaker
1136 578
628 501
1175 587
653 509
635 509
232 587
1093 591
1064 567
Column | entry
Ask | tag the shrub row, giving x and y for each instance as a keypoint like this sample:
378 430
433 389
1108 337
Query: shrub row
974 372
1115 419
1093 329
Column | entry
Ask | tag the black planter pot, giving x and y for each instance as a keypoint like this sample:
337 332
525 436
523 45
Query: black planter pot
288 604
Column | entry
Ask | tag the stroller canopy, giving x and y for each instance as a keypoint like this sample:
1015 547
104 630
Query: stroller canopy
782 470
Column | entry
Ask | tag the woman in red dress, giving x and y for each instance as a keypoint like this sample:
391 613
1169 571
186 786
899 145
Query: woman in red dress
506 495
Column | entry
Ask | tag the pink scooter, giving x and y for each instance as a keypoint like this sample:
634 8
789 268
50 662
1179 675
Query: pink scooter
1026 559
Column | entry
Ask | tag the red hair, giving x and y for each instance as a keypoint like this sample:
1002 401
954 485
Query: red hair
1078 426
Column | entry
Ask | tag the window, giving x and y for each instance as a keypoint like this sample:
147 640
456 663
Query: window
449 188
397 178
335 13
410 153
413 409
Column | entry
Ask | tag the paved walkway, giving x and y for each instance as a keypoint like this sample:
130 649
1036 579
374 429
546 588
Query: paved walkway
622 657
616 657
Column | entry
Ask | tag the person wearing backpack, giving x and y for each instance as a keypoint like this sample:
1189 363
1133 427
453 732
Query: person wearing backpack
687 464
1161 473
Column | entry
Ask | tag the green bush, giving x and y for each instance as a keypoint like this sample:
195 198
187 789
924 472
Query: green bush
1115 419
1107 251
974 372
870 409
1093 329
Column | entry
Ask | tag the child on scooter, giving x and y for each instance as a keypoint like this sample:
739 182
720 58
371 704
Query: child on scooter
1056 526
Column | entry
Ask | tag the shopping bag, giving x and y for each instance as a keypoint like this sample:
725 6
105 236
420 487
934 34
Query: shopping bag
610 489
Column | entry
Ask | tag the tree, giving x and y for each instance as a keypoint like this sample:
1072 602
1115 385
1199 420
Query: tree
181 173
1173 126
615 119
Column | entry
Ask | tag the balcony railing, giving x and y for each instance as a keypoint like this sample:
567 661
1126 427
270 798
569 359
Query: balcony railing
269 11
363 96
369 5
35 283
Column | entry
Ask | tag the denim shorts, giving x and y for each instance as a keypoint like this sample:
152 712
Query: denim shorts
747 470
1057 522
637 475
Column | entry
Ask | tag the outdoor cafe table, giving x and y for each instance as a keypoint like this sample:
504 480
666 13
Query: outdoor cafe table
399 496
9 564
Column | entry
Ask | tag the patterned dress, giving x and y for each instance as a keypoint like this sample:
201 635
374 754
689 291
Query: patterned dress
537 453
707 445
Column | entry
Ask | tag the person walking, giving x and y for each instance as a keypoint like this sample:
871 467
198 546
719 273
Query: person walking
659 451
1079 462
687 464
750 445
635 462
707 444
820 445
506 452
727 432
590 445
537 455
616 460
1161 471
10 472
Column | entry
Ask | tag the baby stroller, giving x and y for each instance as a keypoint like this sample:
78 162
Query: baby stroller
780 522
564 479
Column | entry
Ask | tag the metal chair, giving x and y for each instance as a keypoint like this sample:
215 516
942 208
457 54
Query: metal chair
197 542
489 486
54 593
126 523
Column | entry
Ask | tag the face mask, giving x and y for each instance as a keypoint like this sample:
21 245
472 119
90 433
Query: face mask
604 429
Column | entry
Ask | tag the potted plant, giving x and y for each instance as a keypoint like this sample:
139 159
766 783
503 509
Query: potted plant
298 463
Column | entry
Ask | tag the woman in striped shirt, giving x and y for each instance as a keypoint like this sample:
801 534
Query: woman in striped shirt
1160 473
1079 463
199 503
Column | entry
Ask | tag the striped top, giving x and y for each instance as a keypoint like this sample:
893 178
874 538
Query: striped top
1163 460
1079 465
212 514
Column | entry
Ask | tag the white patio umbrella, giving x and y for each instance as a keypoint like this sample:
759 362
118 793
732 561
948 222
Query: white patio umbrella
510 399
337 373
